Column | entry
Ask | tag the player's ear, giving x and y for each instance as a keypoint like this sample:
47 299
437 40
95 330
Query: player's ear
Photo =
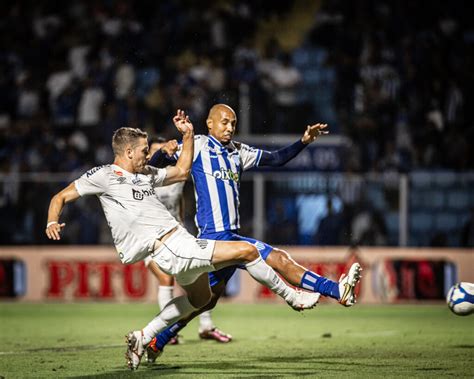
209 123
129 152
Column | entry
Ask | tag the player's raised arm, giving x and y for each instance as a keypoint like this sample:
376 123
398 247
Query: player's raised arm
53 227
312 133
287 153
181 170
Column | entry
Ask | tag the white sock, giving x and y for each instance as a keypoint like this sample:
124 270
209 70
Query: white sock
265 275
176 309
165 294
205 321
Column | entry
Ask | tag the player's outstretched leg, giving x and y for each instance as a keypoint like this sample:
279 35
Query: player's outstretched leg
301 277
157 345
225 252
138 341
342 291
198 296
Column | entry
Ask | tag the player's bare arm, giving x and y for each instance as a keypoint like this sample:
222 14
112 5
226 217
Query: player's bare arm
67 195
313 132
181 170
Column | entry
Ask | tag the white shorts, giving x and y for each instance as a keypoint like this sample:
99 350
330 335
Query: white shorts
184 256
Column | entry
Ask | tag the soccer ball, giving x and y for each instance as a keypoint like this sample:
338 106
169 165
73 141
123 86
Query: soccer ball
460 298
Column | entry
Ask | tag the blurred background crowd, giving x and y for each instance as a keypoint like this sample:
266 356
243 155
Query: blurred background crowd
394 79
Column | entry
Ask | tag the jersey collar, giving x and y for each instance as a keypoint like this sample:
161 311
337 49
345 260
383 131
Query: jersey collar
121 171
219 145
215 141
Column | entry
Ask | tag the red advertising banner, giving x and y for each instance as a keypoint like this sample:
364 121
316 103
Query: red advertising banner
93 273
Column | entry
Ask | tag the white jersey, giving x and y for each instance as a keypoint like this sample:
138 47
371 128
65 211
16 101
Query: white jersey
135 215
171 197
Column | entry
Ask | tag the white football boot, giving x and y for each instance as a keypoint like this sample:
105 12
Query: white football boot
347 285
135 349
301 300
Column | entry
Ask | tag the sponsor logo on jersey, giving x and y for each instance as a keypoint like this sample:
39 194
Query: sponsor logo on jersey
202 243
92 171
136 179
140 194
224 174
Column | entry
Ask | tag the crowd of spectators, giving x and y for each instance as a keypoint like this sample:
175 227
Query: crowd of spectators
404 81
73 72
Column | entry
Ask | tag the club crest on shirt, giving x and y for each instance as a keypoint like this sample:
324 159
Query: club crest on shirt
236 159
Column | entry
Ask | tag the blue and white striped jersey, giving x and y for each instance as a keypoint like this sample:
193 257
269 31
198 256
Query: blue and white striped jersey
216 174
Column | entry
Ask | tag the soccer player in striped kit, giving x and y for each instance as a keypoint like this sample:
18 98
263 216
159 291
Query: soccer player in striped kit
218 164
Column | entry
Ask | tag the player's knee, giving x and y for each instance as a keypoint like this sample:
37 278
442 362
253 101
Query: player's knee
249 252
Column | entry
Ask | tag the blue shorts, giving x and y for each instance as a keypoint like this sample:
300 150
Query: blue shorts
225 273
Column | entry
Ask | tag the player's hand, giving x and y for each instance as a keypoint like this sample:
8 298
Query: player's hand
313 132
182 122
53 231
170 147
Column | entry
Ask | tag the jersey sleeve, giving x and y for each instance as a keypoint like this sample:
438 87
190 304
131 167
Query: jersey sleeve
158 175
250 156
93 182
161 159
199 142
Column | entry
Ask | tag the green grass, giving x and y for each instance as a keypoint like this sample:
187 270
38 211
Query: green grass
86 340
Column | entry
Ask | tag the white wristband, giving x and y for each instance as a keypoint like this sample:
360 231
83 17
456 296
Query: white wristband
50 223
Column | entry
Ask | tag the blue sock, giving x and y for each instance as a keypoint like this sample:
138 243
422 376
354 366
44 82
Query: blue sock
313 282
165 335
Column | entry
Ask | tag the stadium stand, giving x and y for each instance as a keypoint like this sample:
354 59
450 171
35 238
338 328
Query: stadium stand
392 78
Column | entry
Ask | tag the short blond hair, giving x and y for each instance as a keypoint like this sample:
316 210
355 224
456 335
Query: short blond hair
126 136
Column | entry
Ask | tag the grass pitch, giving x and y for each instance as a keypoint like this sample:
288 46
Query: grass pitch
87 340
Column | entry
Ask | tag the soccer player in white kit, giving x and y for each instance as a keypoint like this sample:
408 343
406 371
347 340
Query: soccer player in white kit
141 226
172 198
